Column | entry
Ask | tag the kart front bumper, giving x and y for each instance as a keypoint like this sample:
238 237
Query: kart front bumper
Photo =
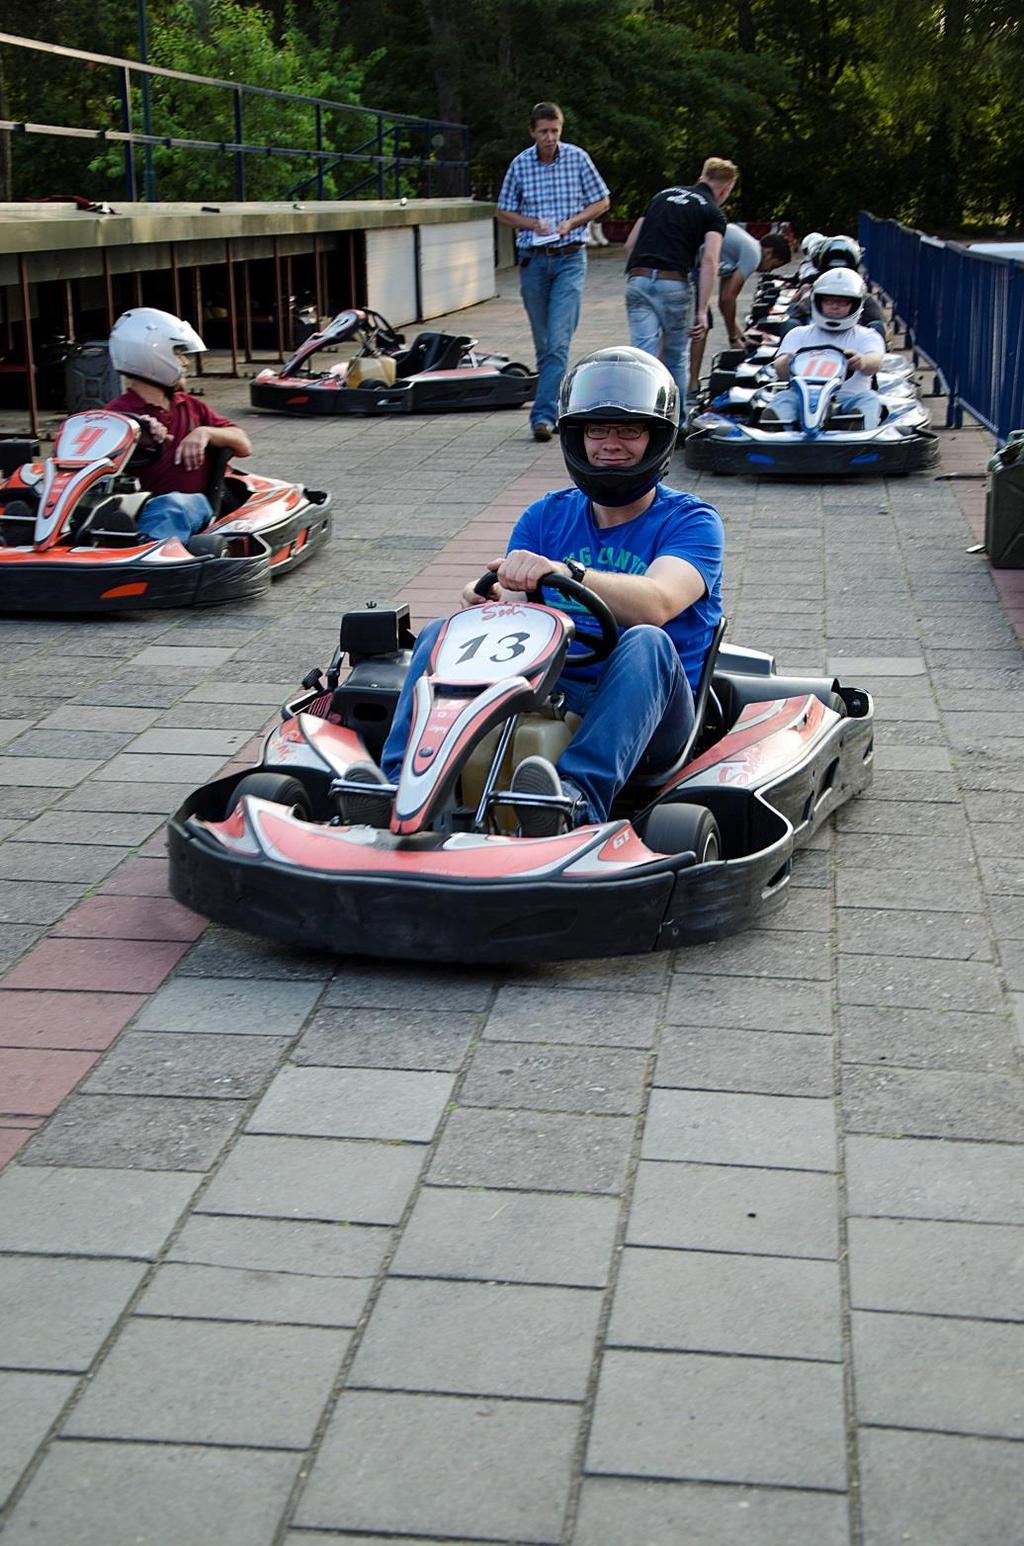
445 392
823 456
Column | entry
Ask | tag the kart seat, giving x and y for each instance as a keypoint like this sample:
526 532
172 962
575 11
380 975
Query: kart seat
431 351
706 708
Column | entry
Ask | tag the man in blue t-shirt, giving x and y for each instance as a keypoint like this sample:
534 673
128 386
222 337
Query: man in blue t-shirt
651 553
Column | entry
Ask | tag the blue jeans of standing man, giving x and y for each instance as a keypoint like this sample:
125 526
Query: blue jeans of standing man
660 315
552 288
174 515
638 712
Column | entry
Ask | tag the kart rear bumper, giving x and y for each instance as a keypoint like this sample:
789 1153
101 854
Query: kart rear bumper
824 456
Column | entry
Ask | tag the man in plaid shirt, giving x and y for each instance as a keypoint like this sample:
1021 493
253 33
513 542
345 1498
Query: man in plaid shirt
550 194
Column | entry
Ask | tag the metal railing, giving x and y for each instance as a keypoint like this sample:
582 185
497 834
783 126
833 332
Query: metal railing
963 311
383 159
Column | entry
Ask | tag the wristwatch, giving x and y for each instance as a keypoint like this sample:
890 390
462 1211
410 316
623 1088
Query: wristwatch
575 568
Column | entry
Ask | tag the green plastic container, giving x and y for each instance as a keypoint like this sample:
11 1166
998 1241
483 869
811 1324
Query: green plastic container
1004 505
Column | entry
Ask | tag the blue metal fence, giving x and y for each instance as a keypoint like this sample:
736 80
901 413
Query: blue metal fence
963 311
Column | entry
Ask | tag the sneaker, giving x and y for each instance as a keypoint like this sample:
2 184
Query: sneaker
542 430
536 775
372 809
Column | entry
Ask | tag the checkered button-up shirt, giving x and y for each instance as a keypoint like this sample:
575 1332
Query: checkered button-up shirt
551 190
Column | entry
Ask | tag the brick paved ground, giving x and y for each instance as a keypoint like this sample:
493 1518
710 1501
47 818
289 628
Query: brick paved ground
711 1248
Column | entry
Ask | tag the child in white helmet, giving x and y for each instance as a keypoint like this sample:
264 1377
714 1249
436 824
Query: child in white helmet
837 302
151 349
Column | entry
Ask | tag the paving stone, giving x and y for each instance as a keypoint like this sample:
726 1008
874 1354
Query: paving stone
231 1006
898 757
79 1021
353 1103
242 1294
282 1245
62 744
718 1128
766 1062
151 1133
90 1213
377 1038
734 1002
936 1268
223 953
103 965
914 984
34 1081
614 1511
931 1179
639 974
57 1313
29 1405
555 1078
955 1376
217 716
185 657
217 1067
138 876
46 772
730 1208
82 862
223 690
198 1382
926 1103
517 1237
804 911
954 891
924 1038
494 1339
755 953
115 828
41 902
156 768
443 1465
903 932
117 1494
733 1420
590 1017
533 1151
700 1301
82 716
114 796
938 1489
215 743
412 987
115 917
325 1179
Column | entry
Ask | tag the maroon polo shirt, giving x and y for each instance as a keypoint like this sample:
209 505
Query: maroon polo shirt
183 414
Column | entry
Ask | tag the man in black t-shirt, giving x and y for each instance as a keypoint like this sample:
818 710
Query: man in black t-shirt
660 253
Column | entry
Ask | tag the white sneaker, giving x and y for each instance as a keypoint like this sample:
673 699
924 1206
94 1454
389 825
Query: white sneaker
372 809
536 775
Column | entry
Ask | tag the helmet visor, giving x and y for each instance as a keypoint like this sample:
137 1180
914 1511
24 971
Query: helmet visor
605 388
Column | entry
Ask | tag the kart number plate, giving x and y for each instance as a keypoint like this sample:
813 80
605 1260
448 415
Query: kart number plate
821 365
486 644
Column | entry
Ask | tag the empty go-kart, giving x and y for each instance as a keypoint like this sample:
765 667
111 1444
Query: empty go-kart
69 541
824 441
436 373
704 849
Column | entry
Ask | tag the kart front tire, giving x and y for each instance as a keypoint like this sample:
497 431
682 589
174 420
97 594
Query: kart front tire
281 788
515 369
679 829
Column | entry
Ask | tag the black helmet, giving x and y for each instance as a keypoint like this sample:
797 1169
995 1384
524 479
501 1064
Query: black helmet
618 383
837 252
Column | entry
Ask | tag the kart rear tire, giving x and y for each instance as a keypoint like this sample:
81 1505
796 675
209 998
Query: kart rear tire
281 788
679 829
207 544
515 369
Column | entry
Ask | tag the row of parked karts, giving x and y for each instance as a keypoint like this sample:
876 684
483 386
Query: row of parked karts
729 431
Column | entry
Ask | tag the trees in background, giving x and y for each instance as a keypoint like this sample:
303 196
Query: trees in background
912 108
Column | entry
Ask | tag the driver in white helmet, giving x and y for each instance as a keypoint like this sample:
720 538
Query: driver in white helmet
837 302
652 553
152 349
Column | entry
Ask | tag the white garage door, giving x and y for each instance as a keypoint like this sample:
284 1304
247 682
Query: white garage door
456 265
391 274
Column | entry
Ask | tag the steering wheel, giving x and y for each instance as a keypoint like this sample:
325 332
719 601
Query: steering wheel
599 648
379 337
147 450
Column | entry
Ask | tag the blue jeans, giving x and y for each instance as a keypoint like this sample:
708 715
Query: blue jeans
787 405
552 289
660 315
174 515
638 713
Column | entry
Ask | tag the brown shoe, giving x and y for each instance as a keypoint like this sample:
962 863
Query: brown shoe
542 431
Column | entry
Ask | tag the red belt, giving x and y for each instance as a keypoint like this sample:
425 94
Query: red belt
658 273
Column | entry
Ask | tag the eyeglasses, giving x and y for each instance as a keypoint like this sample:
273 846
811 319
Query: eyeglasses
623 431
